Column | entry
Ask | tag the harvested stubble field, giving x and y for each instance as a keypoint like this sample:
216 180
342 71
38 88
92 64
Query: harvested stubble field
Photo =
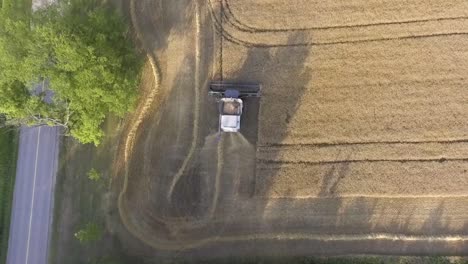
360 138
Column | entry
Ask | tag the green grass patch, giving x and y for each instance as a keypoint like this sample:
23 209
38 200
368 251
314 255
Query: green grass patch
81 201
16 6
8 156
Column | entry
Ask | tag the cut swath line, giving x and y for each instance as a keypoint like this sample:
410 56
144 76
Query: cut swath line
351 196
441 160
396 142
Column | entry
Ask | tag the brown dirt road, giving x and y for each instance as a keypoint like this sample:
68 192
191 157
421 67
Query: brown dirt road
358 145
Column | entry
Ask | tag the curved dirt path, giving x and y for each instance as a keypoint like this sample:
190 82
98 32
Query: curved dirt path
196 110
172 223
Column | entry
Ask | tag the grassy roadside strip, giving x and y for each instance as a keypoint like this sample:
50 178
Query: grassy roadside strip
79 201
58 196
23 6
8 156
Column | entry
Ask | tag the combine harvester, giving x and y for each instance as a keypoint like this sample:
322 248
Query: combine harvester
229 97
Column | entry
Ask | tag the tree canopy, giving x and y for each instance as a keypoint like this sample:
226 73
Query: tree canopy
90 233
83 51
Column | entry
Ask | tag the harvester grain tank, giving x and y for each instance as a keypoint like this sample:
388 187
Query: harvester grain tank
230 99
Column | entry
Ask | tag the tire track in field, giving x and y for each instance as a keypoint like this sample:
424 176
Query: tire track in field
172 223
378 196
195 133
130 139
236 22
377 237
231 38
152 95
196 111
351 143
440 160
186 244
219 170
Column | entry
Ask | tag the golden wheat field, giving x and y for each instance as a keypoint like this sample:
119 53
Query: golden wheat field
377 106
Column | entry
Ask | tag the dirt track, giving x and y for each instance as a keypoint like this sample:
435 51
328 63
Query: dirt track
359 142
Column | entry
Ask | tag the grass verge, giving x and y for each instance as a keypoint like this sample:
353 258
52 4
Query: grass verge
80 201
8 155
23 6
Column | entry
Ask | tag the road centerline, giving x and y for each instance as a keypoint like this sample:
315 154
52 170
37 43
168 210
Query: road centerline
33 194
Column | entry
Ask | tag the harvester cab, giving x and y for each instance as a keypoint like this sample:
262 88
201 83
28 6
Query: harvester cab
230 102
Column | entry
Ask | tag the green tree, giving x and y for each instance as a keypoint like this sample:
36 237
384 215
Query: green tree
83 51
94 175
91 232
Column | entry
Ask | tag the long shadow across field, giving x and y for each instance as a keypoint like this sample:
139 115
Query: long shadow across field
344 216
279 101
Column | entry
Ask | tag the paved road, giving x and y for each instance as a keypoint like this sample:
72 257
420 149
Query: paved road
33 196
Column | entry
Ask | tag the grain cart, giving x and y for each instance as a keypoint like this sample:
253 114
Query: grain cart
229 97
